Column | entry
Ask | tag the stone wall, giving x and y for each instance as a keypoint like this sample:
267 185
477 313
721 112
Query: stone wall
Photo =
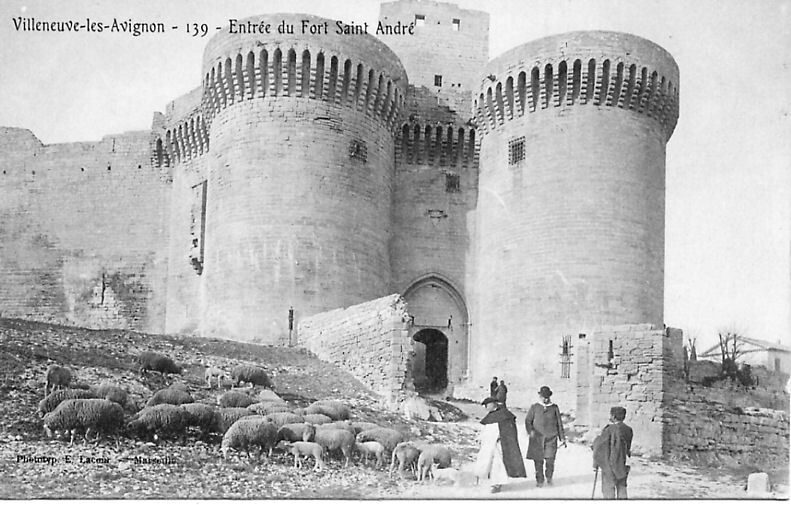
369 340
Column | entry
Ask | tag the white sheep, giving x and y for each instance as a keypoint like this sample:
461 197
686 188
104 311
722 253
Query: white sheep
360 426
55 398
372 448
266 408
102 416
162 419
334 439
249 431
170 396
440 474
406 453
388 437
213 372
430 455
317 418
282 418
57 377
335 409
299 449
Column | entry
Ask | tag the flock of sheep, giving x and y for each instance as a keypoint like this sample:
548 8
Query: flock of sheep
245 421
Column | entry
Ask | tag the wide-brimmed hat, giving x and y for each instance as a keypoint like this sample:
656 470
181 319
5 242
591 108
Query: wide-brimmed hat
488 400
545 392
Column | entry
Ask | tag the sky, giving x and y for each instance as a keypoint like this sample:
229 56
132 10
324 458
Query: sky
728 207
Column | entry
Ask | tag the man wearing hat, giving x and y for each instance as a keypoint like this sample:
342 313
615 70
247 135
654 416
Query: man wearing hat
499 457
545 428
610 450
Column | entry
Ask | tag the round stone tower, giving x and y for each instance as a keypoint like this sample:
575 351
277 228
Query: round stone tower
571 208
300 172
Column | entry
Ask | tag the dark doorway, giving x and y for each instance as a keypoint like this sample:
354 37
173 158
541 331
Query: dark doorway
434 365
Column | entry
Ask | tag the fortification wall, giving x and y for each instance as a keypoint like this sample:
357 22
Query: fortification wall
82 231
369 340
571 220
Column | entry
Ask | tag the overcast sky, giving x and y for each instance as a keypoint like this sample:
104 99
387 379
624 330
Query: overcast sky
728 236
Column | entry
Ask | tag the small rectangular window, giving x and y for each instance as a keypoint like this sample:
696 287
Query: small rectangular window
358 150
438 80
516 150
420 20
456 24
452 183
565 357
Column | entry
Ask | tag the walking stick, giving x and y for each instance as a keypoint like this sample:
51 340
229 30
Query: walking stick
595 478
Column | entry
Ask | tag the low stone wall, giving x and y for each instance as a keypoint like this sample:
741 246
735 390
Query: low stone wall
369 340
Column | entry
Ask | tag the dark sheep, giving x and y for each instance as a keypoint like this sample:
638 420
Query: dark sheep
248 373
156 362
332 440
235 399
161 420
170 396
249 431
200 415
102 416
55 398
111 392
225 417
388 437
56 377
295 432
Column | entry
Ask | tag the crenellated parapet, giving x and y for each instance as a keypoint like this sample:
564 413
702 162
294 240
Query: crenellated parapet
604 69
354 71
444 145
187 139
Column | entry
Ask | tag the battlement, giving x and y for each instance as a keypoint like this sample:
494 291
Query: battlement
358 72
580 68
451 145
187 139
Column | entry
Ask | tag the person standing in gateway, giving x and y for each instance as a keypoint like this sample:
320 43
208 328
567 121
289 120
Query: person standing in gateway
544 429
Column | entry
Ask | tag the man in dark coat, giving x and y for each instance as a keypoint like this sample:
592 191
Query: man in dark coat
500 393
492 387
545 428
499 456
610 450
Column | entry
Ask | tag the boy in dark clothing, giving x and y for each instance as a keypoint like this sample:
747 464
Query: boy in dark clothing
545 428
492 387
610 450
501 393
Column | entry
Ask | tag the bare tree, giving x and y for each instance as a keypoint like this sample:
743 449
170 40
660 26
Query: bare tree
731 344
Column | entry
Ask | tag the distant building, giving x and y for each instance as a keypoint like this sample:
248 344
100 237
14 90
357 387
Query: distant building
755 352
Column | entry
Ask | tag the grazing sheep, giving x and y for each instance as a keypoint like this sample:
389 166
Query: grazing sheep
179 386
299 411
55 398
111 392
171 396
430 455
156 362
304 449
214 372
336 425
252 374
449 474
269 396
388 437
225 417
282 418
199 415
102 416
372 448
266 408
249 431
317 419
296 432
334 409
57 377
235 399
161 420
363 426
406 453
332 440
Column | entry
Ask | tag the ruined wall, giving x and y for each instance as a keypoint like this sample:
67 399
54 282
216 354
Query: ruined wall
369 340
82 231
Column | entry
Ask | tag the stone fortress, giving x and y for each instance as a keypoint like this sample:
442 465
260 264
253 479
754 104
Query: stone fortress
312 184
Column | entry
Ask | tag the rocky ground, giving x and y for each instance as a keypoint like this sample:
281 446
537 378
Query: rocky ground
34 467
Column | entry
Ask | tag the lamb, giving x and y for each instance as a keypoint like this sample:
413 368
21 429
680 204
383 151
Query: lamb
372 448
282 418
248 431
449 474
332 439
170 396
163 419
102 416
55 398
57 377
266 408
304 449
234 399
360 426
388 437
296 432
407 454
214 372
334 409
111 392
199 415
225 417
430 455
252 374
149 360
316 418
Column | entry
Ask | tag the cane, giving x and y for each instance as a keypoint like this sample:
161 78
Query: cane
595 478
